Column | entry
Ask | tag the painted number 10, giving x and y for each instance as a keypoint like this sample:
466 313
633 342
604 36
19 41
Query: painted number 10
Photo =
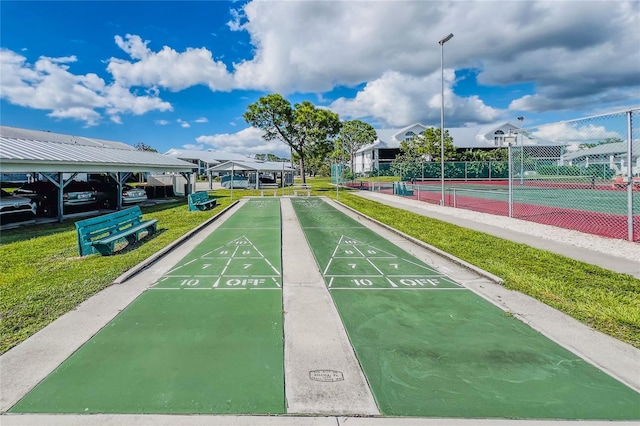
362 281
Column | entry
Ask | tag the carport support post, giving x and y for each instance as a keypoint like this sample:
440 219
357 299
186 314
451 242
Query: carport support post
231 181
187 176
118 191
60 185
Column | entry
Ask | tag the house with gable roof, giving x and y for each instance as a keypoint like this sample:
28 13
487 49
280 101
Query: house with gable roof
387 145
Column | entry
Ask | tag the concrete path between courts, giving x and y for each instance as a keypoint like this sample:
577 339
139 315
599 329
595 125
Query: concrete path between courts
321 370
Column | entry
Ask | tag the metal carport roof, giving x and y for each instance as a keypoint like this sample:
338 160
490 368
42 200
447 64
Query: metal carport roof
54 154
250 166
25 151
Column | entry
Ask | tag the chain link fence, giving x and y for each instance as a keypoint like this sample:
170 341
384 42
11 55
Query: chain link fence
581 174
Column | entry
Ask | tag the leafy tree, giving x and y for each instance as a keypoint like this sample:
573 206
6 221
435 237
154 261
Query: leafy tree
426 147
318 159
270 157
498 154
141 146
354 135
422 148
430 142
304 127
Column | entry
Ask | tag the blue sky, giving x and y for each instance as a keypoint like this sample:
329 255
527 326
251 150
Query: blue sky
181 74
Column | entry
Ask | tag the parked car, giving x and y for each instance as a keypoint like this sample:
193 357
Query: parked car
267 179
76 196
14 208
107 196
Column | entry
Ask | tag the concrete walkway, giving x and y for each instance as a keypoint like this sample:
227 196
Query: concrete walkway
557 240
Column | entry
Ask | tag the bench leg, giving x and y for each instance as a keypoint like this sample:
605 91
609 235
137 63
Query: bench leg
104 249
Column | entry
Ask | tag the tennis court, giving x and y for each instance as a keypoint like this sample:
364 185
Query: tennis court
571 202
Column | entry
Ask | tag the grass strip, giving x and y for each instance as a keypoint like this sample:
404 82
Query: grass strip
42 275
604 300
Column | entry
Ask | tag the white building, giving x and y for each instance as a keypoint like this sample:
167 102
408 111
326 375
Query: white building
387 145
612 154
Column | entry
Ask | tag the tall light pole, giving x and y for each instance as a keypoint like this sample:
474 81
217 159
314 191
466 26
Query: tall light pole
521 119
442 42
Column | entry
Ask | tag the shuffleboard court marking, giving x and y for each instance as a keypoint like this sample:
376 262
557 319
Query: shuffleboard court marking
454 354
357 265
185 352
236 264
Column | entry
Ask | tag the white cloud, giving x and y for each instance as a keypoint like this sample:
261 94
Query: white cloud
247 141
396 100
313 46
183 123
193 147
201 120
568 56
167 68
577 132
162 122
78 113
557 47
49 85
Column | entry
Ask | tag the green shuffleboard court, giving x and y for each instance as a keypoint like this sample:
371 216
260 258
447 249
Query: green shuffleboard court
207 338
429 347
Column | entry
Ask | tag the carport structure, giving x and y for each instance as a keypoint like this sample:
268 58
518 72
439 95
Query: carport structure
253 167
55 155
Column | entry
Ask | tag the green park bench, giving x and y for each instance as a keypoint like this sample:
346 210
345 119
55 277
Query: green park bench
302 188
400 188
100 234
200 201
264 187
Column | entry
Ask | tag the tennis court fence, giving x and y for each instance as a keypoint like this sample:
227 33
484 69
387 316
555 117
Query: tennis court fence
581 174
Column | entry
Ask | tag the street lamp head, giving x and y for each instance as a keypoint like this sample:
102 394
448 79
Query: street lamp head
521 118
446 39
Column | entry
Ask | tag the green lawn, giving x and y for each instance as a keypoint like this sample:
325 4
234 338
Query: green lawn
42 276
